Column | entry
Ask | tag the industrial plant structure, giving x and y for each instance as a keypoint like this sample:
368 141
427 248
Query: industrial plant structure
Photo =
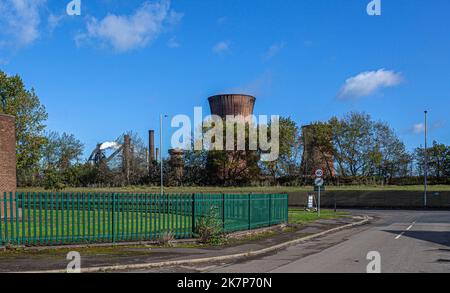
237 163
315 155
232 104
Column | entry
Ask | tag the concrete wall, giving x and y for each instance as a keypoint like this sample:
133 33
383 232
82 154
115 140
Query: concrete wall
375 199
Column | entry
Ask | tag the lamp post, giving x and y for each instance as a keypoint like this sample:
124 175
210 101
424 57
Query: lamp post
161 151
426 161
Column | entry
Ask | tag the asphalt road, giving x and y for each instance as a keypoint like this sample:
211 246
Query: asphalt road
407 241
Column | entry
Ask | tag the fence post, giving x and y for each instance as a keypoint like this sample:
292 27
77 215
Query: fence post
249 211
287 208
270 209
193 214
113 218
16 200
223 211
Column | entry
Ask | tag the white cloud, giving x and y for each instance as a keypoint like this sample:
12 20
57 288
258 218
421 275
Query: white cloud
418 128
222 20
128 32
221 47
19 22
274 50
367 83
173 43
54 21
259 86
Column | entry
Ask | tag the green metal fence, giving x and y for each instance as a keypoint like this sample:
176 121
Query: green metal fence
46 219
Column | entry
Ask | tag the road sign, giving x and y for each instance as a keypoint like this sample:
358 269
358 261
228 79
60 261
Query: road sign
319 182
319 173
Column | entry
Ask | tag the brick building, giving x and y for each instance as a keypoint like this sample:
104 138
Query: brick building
7 154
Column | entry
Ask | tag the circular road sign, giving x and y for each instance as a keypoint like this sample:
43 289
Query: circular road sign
319 182
319 173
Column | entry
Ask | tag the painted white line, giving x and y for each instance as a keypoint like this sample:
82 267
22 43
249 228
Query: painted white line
407 229
410 227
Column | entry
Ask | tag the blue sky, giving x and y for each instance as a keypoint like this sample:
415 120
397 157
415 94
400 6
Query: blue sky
121 63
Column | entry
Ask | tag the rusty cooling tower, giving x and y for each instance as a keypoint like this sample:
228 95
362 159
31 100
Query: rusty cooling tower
313 155
7 158
230 104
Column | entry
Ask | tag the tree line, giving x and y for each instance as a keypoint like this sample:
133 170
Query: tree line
362 151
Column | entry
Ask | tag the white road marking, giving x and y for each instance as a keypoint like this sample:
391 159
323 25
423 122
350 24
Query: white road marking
407 229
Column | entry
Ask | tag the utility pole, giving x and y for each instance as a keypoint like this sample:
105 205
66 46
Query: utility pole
426 161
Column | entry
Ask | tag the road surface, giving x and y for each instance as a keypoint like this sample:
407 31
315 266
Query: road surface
407 241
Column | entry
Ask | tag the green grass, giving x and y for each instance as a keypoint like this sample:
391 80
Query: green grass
58 227
301 217
40 227
269 189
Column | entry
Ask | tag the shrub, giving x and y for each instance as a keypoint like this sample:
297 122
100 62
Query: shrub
209 228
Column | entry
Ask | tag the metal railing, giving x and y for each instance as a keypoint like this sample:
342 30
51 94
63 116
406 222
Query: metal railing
48 219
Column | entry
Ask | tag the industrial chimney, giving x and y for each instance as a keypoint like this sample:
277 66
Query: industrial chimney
151 145
126 158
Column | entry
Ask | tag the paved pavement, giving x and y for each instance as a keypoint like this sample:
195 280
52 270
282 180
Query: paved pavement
408 242
55 259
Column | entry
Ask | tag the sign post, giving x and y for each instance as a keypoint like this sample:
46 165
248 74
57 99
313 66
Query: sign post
319 183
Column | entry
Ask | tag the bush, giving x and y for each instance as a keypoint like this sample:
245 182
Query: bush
209 228
53 180
166 239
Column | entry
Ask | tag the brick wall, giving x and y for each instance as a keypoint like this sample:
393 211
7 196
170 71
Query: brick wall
7 155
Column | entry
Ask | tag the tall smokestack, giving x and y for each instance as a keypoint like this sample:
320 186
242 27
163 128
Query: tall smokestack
126 160
157 154
151 145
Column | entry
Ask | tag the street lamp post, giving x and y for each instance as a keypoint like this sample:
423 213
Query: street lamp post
426 161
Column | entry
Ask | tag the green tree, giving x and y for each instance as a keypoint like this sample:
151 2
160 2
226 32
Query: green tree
319 137
438 160
364 148
232 166
30 118
288 162
61 151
